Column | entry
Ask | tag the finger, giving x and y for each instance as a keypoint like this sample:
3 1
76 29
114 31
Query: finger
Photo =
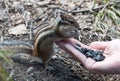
99 45
95 67
104 67
72 51
73 41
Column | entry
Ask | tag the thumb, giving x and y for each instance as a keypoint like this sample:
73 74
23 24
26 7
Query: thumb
99 45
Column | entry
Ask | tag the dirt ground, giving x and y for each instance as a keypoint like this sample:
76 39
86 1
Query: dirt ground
64 67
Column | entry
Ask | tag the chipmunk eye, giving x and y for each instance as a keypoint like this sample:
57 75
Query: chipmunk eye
76 30
70 21
79 28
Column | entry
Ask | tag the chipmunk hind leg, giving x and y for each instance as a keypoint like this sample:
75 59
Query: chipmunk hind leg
45 63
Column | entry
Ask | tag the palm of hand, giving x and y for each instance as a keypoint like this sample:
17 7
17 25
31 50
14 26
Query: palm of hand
110 64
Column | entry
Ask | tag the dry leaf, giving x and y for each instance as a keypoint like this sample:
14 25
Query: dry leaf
63 2
71 5
18 30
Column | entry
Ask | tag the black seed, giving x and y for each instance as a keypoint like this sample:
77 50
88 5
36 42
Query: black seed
84 50
99 52
88 54
93 53
97 55
99 58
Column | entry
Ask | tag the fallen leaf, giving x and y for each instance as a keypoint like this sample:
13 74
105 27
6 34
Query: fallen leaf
18 30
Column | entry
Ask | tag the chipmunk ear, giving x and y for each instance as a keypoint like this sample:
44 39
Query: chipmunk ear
65 18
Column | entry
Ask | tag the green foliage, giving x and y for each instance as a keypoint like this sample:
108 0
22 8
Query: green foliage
107 17
3 75
4 55
106 1
4 59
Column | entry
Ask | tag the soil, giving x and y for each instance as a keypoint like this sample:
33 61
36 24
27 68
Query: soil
63 67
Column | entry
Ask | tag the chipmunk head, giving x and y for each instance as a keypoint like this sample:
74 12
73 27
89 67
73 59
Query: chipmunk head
67 26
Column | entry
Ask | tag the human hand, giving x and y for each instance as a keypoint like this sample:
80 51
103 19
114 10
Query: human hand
111 63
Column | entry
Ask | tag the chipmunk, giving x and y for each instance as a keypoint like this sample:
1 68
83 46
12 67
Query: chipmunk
63 27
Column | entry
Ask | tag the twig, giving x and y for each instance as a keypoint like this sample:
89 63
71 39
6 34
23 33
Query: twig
57 7
105 6
28 22
6 2
39 17
77 6
31 29
46 17
45 4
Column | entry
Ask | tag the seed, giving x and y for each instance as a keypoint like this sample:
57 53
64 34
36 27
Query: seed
97 55
88 54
